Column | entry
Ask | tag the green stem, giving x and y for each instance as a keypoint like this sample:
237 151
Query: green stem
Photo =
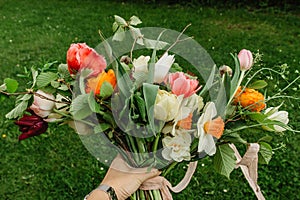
239 83
169 168
154 149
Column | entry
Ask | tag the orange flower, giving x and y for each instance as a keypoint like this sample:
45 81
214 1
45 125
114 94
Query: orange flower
186 123
215 127
250 99
94 84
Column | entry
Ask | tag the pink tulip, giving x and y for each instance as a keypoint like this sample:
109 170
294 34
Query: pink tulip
181 84
246 59
81 56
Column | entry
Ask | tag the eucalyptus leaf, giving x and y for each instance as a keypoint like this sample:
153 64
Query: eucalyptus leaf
224 160
11 85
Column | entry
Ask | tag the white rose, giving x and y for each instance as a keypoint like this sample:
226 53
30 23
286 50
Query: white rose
166 106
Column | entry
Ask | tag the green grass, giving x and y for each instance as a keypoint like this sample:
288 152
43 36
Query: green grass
57 166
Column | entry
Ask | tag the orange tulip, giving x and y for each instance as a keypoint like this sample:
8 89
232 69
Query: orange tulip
250 99
94 84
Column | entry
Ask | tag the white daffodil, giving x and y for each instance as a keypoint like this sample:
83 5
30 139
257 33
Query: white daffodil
275 115
207 127
177 148
162 67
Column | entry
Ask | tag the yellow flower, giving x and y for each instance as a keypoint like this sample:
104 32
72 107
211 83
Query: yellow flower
250 99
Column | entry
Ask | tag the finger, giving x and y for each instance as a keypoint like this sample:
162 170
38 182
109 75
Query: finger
151 174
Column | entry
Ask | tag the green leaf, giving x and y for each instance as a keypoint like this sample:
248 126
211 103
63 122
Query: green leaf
120 21
115 26
233 137
150 92
63 87
224 160
227 85
265 153
34 73
80 108
3 87
266 138
45 78
256 116
134 20
21 106
63 71
55 84
119 34
84 74
11 85
94 106
141 106
236 75
106 89
258 84
209 82
153 44
100 128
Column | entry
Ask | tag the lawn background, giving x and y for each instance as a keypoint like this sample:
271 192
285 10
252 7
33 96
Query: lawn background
57 166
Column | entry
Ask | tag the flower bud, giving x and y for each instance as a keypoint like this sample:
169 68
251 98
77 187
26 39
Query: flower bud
246 59
225 69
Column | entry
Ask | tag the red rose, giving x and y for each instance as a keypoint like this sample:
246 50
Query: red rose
80 56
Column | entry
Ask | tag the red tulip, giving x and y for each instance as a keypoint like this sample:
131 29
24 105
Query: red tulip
31 125
81 56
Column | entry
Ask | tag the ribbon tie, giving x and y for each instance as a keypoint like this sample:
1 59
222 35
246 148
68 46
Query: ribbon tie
162 184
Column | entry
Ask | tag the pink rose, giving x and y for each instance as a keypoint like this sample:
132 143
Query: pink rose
246 59
181 84
80 56
42 106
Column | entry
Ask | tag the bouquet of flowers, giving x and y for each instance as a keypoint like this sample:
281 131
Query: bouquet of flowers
131 95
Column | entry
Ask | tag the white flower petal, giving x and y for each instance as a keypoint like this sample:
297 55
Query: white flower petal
162 67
